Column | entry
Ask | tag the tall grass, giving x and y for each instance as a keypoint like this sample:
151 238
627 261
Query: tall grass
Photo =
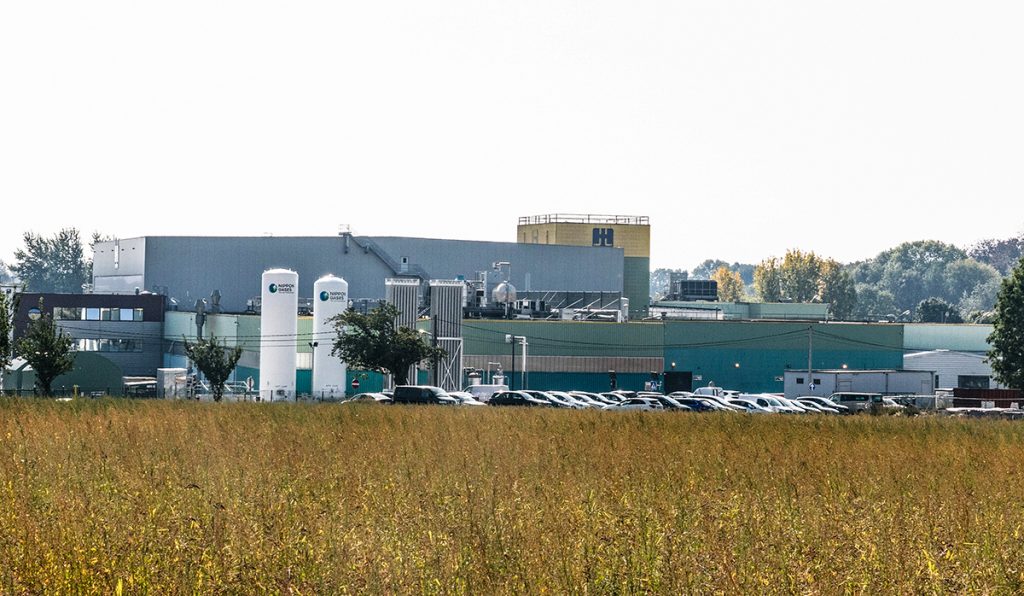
184 497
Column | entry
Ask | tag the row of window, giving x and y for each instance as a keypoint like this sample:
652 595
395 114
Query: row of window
74 313
108 345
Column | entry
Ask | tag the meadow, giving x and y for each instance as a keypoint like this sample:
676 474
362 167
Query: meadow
104 496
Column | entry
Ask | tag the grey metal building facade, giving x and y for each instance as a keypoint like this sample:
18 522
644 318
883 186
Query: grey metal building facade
187 268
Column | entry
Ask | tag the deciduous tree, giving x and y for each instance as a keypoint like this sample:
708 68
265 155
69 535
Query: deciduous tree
1007 338
374 341
8 306
730 285
54 264
215 360
47 349
799 275
767 281
936 310
835 286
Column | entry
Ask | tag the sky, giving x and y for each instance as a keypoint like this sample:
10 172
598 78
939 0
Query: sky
742 129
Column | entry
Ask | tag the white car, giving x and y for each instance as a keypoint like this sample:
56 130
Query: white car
750 406
823 403
771 402
571 399
466 398
643 404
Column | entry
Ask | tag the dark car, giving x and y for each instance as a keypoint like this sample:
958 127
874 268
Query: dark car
698 404
516 398
422 394
670 403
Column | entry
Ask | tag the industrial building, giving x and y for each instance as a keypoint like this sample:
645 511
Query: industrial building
186 269
630 233
571 292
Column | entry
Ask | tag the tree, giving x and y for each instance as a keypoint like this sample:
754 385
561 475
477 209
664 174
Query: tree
52 264
1001 254
936 310
47 349
706 269
767 281
799 276
915 271
374 341
8 307
730 285
835 287
660 282
1007 338
873 304
215 360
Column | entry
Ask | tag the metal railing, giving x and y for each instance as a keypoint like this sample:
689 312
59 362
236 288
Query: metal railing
633 220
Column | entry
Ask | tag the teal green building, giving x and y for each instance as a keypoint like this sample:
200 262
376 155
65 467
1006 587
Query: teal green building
750 356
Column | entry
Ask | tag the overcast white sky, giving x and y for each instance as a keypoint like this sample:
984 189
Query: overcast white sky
741 128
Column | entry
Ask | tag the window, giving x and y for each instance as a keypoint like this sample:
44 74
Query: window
108 345
92 314
799 380
972 381
68 313
817 381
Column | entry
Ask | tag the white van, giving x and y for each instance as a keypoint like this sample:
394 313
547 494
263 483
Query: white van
484 392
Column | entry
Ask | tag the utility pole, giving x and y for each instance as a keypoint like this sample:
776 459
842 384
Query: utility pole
810 357
512 377
523 383
433 342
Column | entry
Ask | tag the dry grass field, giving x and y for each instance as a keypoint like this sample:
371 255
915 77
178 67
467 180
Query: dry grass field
158 497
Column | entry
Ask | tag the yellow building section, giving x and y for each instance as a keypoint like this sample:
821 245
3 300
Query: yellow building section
628 232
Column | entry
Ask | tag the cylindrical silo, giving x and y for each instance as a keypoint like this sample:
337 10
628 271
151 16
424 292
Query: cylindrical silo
330 298
278 334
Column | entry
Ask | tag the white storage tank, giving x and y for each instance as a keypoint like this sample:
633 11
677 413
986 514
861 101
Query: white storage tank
330 298
278 334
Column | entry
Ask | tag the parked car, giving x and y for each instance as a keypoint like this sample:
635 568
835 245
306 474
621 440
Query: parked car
855 401
749 406
643 404
803 409
826 408
722 401
484 392
670 403
699 404
572 399
613 397
466 399
379 398
552 399
769 401
517 398
594 399
422 394
824 403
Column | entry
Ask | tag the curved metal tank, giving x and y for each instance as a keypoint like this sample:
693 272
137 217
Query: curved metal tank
330 298
278 334
504 293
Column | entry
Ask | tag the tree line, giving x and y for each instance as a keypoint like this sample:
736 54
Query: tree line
925 281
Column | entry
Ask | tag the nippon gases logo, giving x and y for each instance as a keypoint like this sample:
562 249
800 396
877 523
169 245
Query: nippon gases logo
281 288
332 296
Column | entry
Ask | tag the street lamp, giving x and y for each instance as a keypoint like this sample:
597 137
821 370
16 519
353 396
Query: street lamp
514 339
